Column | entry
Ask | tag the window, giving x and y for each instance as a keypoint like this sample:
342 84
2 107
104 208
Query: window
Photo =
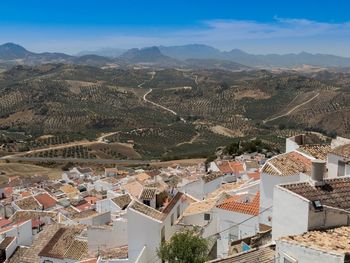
178 212
162 234
172 219
206 217
341 168
48 261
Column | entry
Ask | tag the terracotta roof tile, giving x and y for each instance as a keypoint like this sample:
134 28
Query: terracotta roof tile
318 151
343 150
287 164
28 203
122 201
146 210
335 192
46 200
335 240
257 255
251 208
148 193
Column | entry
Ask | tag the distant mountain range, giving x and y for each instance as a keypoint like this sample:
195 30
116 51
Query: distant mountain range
194 55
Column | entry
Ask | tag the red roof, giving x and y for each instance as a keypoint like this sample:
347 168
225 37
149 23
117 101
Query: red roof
26 194
46 200
83 207
254 175
91 199
8 191
4 222
251 208
230 167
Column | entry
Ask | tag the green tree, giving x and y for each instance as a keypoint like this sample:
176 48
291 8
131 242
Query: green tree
184 247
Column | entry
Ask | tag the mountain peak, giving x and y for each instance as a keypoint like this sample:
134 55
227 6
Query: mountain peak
13 51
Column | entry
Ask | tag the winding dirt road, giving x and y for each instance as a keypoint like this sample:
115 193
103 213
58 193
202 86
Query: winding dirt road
293 109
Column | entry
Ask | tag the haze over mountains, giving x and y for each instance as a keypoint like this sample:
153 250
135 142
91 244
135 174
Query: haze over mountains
193 55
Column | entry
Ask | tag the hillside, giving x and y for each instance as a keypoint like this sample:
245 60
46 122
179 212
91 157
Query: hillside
162 113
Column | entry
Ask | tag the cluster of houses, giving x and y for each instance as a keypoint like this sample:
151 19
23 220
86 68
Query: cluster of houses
293 207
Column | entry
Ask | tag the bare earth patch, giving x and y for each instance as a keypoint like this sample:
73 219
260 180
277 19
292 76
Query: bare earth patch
226 132
21 169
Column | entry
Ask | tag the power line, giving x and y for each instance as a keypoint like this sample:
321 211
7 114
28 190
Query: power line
240 222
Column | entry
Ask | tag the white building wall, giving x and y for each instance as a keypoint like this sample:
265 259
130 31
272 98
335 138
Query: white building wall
23 233
267 184
228 219
291 145
327 218
303 254
332 165
211 186
11 248
194 189
290 214
100 219
143 231
107 205
101 237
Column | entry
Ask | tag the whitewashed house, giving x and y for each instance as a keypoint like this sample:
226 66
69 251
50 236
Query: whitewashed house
315 204
203 186
324 246
113 205
14 236
339 161
148 227
230 213
283 168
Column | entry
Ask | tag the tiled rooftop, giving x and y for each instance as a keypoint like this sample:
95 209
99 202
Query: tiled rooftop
46 200
122 201
335 192
230 167
20 216
60 242
6 242
343 150
318 151
146 210
77 250
83 214
134 188
151 212
287 164
334 240
250 208
30 255
225 188
28 203
114 253
148 193
257 255
200 207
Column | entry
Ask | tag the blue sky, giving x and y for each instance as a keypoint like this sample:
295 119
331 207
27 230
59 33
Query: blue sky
254 26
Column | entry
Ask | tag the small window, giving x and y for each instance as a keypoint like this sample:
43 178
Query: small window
178 212
206 217
172 219
162 234
318 205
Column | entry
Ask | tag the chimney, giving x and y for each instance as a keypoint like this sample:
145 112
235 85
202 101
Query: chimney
317 172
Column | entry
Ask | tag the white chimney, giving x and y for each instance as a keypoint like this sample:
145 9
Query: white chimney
317 172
